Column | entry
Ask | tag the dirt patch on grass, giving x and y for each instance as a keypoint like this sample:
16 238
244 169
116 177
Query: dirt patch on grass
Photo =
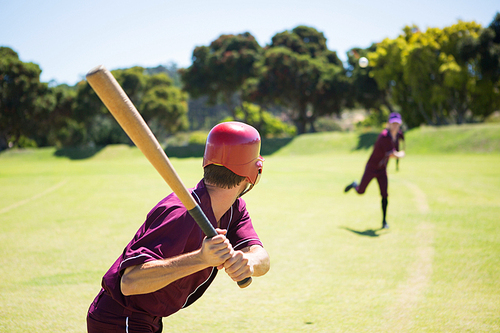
399 316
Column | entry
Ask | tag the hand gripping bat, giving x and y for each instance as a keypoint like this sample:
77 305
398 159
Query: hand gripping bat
122 109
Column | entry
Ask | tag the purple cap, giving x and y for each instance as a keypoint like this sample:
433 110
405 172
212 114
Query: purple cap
395 117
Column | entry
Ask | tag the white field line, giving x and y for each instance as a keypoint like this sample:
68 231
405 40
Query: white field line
410 293
36 196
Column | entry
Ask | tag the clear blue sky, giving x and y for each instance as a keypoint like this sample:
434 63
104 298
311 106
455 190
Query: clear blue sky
68 38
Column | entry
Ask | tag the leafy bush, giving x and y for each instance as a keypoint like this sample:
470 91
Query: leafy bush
71 135
269 126
327 124
198 138
374 119
105 130
25 142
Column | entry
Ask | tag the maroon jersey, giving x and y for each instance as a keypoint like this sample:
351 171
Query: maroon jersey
169 230
382 149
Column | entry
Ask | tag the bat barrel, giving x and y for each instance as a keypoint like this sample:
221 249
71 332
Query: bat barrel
125 113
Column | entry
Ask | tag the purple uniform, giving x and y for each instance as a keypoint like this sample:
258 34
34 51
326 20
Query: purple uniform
376 167
168 231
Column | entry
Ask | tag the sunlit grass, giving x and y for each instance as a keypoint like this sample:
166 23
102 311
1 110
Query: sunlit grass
63 223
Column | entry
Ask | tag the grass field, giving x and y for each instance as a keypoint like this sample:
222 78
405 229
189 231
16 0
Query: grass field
64 221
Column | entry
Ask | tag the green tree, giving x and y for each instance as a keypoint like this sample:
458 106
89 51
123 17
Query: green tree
23 102
162 105
133 81
220 69
301 74
289 79
436 76
165 104
363 88
460 75
387 69
269 126
89 118
302 40
332 93
423 59
484 52
59 129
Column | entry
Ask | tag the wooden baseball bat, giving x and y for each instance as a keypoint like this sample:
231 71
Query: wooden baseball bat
124 111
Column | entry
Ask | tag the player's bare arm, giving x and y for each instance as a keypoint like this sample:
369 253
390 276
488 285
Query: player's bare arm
396 154
154 275
250 261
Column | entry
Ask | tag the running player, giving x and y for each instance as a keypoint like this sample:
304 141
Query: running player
386 146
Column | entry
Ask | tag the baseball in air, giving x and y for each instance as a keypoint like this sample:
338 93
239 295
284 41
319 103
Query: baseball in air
363 62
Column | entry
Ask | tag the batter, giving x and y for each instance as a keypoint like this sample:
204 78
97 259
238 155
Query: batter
169 263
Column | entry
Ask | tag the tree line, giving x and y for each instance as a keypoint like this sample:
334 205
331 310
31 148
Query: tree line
434 77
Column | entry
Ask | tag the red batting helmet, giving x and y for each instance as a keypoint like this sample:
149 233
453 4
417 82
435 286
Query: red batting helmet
235 146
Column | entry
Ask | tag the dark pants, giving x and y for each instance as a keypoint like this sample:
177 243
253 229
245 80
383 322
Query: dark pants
108 316
370 173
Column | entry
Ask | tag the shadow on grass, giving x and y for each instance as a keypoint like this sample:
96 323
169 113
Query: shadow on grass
78 153
190 150
366 140
269 146
367 232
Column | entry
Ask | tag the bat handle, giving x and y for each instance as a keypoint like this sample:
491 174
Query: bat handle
245 282
208 229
